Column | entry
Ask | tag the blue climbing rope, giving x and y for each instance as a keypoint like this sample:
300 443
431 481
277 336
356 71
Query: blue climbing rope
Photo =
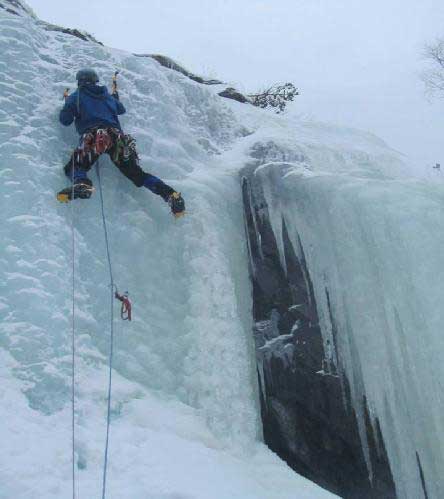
73 344
105 462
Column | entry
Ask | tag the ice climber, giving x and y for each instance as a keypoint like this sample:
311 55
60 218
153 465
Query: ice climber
95 112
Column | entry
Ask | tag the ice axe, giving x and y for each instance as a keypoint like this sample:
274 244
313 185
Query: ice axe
66 93
114 84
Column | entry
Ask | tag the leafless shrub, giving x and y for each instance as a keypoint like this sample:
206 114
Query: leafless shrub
275 97
433 76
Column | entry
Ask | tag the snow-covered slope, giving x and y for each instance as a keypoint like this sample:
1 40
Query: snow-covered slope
185 420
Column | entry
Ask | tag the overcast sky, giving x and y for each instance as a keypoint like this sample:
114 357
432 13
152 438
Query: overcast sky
356 62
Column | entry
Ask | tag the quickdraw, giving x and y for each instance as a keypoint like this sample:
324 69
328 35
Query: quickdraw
125 309
94 142
102 141
125 147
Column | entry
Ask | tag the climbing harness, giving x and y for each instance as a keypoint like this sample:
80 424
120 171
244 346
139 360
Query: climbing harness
96 142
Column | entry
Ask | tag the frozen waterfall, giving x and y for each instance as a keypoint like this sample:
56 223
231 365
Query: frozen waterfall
185 420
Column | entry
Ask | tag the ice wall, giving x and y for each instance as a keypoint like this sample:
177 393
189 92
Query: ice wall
371 238
307 415
184 415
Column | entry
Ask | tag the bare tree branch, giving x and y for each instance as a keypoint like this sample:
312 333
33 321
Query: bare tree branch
433 76
275 97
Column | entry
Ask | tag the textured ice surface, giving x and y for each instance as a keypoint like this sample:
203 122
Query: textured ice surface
372 235
185 421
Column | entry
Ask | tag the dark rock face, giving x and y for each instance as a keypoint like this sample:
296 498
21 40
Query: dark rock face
167 62
86 37
421 474
14 7
305 403
17 8
9 10
228 93
232 93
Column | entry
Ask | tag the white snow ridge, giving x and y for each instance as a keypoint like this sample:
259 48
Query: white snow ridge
185 409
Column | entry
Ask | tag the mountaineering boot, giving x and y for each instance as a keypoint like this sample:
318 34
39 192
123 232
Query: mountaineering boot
82 189
177 204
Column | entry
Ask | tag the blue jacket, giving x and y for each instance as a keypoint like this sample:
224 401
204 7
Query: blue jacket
97 109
